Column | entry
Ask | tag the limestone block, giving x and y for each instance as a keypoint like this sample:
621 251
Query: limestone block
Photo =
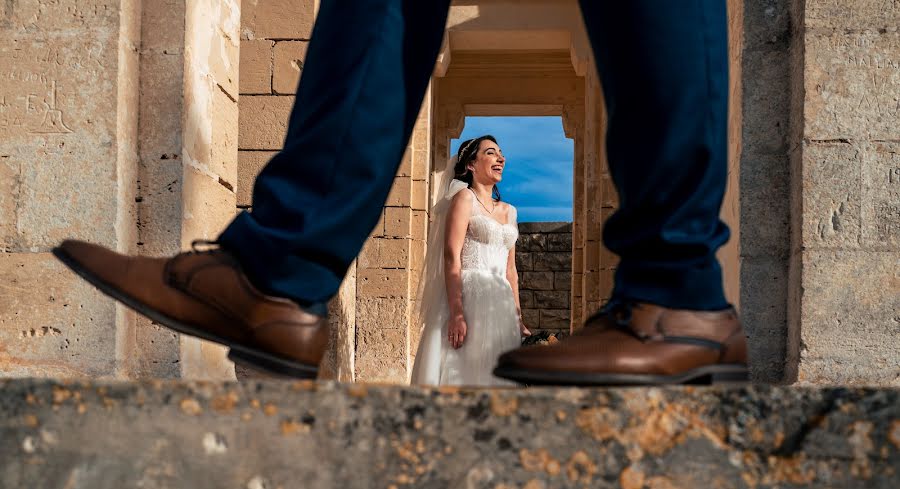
608 259
551 299
881 196
224 148
766 24
526 299
401 193
562 281
223 52
9 200
555 319
417 250
764 315
405 167
607 280
289 56
397 222
537 280
856 14
591 285
263 121
831 195
338 362
592 256
156 353
765 99
419 225
208 206
849 312
385 253
161 107
382 313
277 19
162 29
524 261
58 126
557 261
256 66
531 317
577 284
53 323
532 242
374 282
765 205
545 227
559 242
608 195
381 355
420 163
160 209
851 81
419 195
378 229
250 163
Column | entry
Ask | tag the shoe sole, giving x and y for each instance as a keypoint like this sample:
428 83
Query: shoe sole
237 352
720 374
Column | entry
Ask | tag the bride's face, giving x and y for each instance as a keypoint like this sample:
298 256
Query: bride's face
487 168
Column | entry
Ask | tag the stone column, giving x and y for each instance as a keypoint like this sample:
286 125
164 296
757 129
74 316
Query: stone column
845 277
188 156
68 163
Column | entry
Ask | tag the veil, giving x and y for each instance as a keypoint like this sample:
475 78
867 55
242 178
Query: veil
431 295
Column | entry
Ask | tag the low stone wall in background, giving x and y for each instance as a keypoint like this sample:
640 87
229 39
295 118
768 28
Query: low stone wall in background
544 261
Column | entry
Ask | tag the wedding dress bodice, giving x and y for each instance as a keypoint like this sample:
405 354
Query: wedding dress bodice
488 242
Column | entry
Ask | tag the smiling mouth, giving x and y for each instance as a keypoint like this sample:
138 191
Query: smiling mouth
497 169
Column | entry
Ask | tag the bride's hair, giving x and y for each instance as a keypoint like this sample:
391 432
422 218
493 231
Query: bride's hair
467 152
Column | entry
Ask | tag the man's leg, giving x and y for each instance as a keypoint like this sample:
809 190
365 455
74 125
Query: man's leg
314 204
664 71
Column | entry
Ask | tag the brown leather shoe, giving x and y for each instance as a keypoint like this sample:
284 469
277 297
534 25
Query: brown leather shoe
205 294
638 344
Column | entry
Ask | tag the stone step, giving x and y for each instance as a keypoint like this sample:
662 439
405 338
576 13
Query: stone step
268 435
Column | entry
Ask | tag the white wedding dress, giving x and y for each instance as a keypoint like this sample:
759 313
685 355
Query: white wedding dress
488 303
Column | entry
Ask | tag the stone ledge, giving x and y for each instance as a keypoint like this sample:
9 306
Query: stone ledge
545 227
284 435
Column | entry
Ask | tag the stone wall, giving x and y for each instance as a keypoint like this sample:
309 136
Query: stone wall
544 262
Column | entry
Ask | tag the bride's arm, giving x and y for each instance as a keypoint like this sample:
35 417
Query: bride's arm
512 275
454 237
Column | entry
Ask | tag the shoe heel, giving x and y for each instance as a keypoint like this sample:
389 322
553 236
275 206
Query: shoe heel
268 366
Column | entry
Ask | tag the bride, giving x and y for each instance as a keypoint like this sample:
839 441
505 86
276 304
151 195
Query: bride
469 294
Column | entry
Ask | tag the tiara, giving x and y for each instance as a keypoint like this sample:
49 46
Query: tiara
466 147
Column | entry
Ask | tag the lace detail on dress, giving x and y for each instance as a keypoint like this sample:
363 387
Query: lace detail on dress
488 242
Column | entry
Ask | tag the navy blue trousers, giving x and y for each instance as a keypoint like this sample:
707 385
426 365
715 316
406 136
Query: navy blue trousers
664 71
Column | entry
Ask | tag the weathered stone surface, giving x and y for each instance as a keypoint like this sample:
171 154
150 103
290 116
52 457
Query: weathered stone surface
385 253
382 313
524 261
383 436
381 354
555 318
401 193
562 280
526 299
851 79
557 261
289 56
374 282
263 121
397 222
256 66
765 208
831 200
531 242
52 323
277 19
856 14
849 308
880 210
764 315
559 242
250 163
545 227
536 280
551 299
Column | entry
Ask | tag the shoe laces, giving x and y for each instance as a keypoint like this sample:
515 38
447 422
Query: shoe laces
620 313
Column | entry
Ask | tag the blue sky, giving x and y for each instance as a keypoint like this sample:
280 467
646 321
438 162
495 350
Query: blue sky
538 175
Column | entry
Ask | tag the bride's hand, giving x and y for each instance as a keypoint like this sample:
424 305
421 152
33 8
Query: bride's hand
523 329
456 331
